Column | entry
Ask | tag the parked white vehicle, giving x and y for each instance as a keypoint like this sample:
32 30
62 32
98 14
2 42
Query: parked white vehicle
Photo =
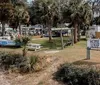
32 46
5 37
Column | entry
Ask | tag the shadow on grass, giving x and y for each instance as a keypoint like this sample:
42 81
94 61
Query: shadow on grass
83 39
50 45
85 62
55 44
10 47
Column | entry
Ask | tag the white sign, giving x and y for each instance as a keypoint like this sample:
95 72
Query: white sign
93 43
97 28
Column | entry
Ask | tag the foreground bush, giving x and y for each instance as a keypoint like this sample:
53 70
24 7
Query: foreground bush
17 62
23 40
32 61
73 75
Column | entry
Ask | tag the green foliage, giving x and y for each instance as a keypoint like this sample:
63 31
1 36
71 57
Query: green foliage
18 40
45 12
8 60
73 75
6 12
77 11
23 40
12 61
21 15
32 61
21 63
96 20
56 42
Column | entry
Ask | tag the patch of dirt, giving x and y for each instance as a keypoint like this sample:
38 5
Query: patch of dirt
3 79
43 77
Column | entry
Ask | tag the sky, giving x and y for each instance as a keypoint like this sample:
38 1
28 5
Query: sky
29 0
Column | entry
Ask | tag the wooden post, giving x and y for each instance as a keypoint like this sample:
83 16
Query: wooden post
72 36
88 53
61 39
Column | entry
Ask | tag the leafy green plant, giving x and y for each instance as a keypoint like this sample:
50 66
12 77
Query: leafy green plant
18 63
32 61
8 61
73 75
23 40
5 60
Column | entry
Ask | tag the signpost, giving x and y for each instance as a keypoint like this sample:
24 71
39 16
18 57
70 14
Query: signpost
92 44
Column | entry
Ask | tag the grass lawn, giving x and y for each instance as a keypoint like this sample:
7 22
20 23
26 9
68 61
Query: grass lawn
72 54
55 44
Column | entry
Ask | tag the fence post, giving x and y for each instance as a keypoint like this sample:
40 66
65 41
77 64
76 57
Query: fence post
72 36
61 36
88 53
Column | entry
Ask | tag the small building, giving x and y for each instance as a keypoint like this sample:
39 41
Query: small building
7 29
93 32
32 29
97 31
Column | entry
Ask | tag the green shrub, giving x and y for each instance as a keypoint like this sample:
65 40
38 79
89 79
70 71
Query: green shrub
32 61
5 60
8 61
21 63
73 75
23 40
17 62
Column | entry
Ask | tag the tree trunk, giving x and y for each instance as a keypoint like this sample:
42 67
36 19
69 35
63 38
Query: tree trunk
3 29
75 32
20 28
79 36
72 36
50 33
61 36
24 51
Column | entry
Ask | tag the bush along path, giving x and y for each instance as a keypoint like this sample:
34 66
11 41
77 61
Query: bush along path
44 77
74 75
16 63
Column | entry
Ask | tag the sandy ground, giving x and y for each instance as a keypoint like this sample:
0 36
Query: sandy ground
75 54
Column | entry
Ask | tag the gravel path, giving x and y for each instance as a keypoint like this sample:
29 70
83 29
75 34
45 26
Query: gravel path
3 79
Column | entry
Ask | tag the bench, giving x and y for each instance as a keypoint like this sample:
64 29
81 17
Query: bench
69 42
32 46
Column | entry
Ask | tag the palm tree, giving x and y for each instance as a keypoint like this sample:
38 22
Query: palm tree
50 12
47 10
6 14
21 15
78 13
23 40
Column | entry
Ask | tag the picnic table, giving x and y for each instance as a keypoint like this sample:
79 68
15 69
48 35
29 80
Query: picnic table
33 46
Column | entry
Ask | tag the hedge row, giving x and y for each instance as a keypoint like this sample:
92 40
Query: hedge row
73 75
